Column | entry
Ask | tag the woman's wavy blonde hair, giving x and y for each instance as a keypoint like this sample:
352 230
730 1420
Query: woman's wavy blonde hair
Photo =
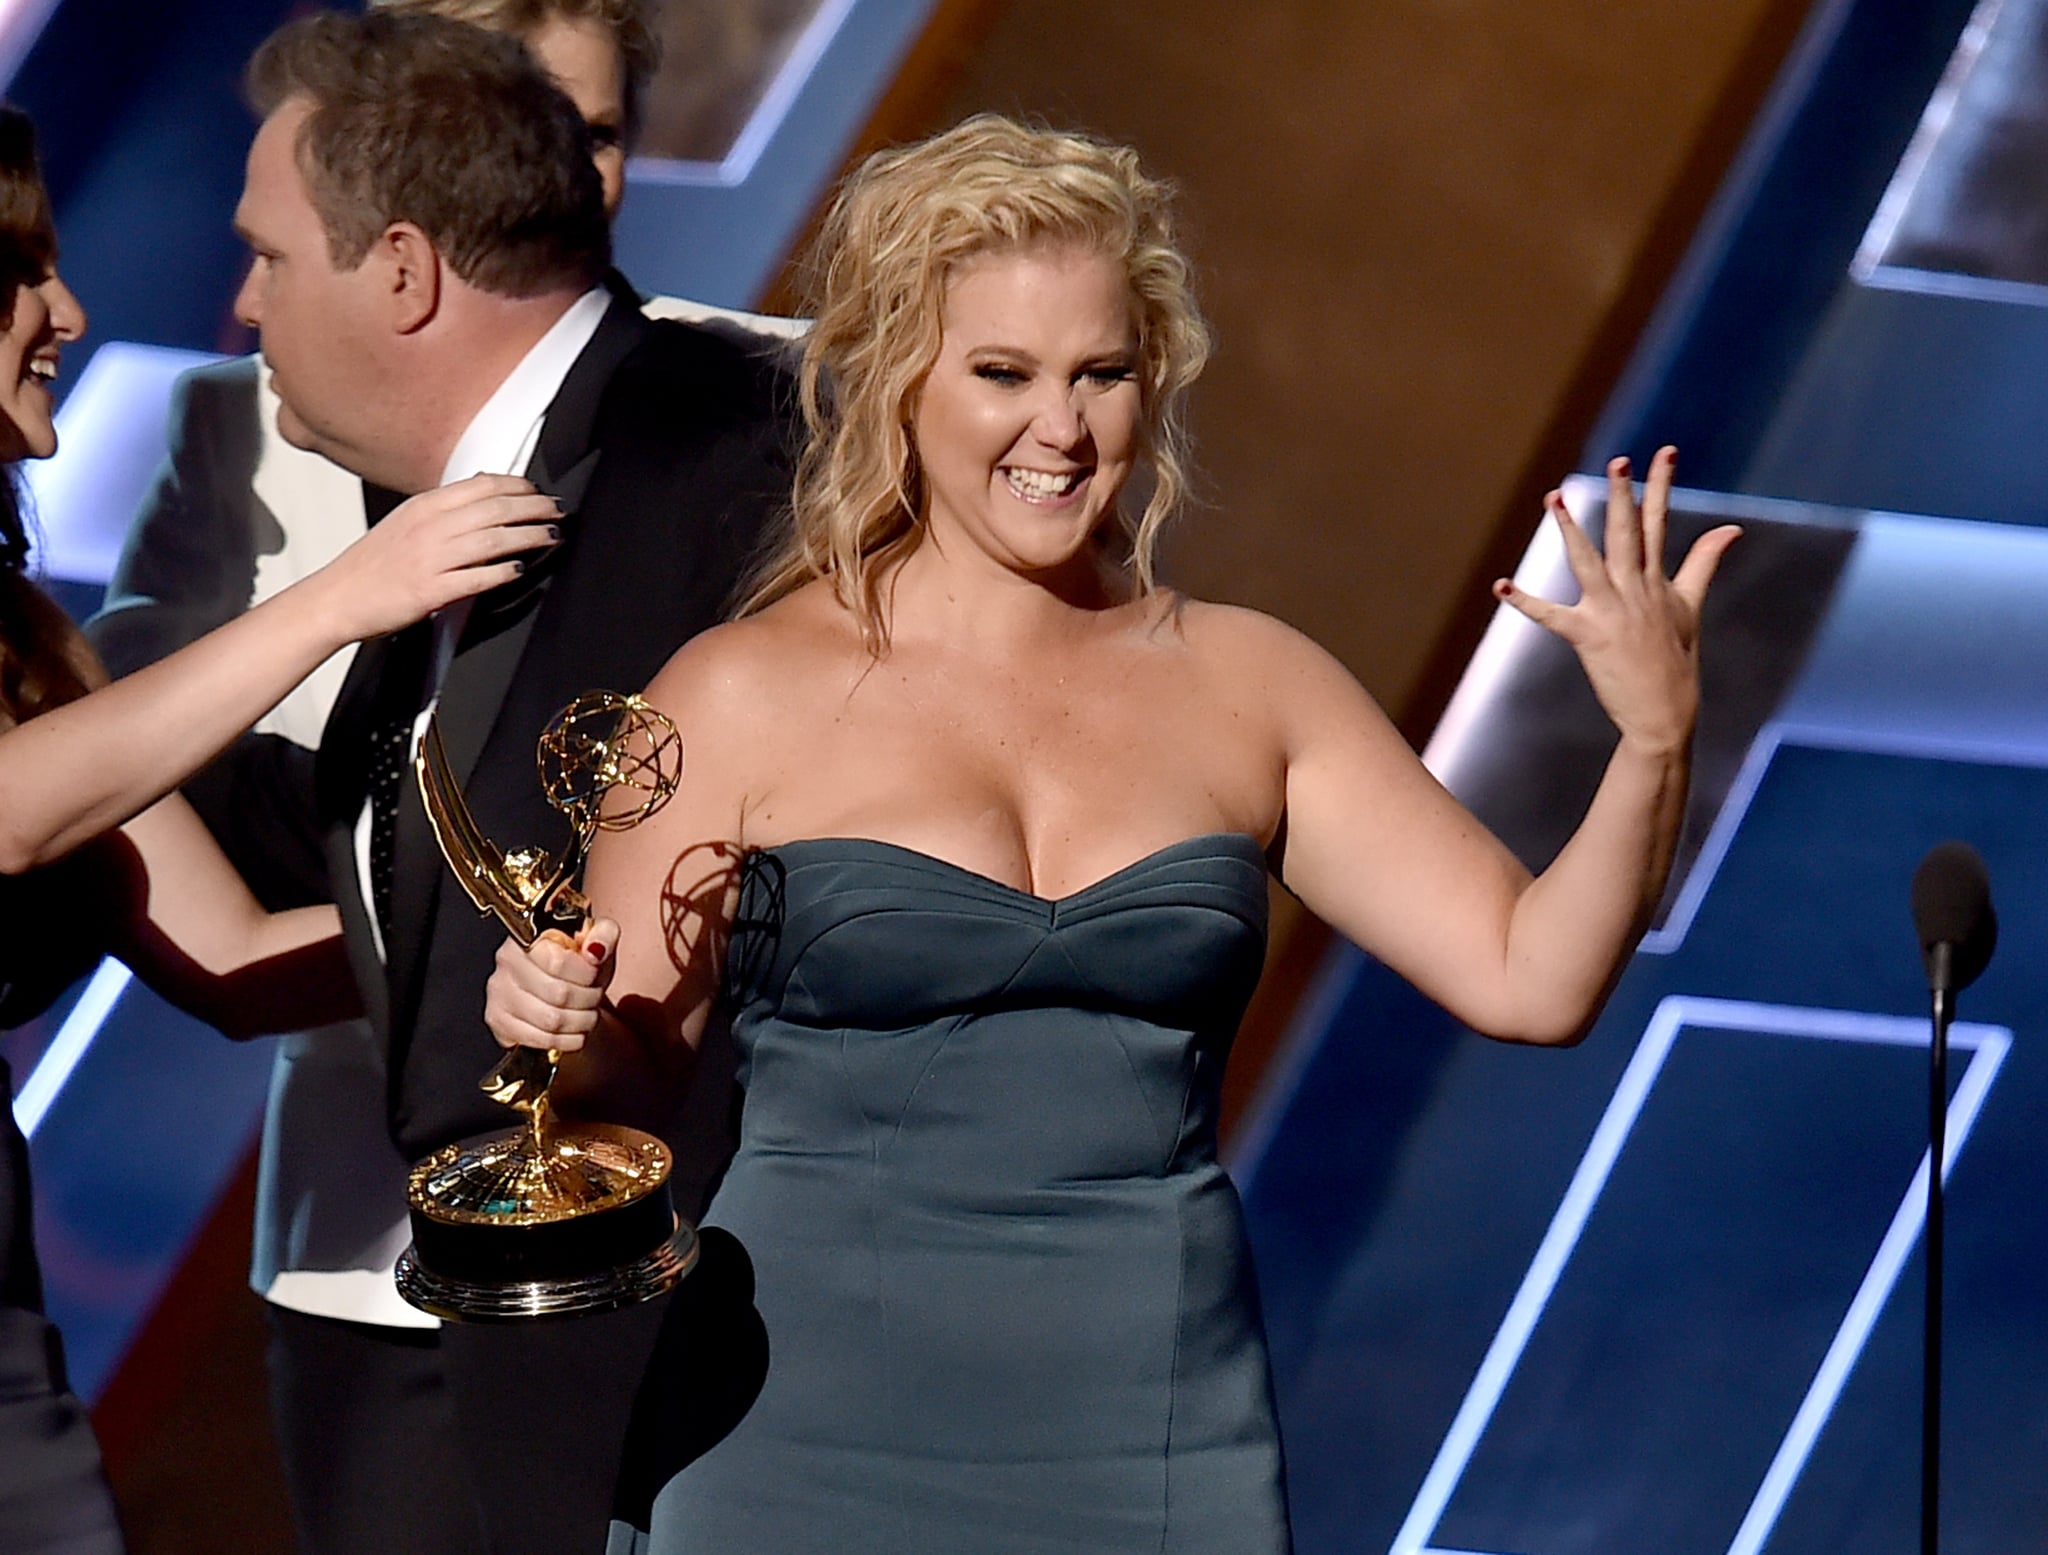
897 230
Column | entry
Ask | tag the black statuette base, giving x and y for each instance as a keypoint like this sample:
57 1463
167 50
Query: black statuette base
568 1248
505 1300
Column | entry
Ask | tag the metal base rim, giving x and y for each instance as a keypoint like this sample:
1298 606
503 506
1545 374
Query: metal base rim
475 1301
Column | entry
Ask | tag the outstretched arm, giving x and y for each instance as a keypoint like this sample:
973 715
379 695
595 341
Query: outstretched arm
1375 846
83 768
178 914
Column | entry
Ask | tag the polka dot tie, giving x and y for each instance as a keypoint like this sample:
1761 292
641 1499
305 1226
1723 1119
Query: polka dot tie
401 692
390 755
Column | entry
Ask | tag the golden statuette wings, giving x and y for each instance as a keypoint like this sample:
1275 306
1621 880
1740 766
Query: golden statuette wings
547 1218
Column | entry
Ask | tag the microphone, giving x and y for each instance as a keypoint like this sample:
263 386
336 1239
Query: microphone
1958 932
1952 911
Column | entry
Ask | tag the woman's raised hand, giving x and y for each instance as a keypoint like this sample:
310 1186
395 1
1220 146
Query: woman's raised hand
548 994
1635 631
434 549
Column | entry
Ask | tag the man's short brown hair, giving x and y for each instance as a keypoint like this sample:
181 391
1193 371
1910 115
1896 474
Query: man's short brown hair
449 127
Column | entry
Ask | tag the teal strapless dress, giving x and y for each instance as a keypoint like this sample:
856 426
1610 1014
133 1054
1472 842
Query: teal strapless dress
1005 1303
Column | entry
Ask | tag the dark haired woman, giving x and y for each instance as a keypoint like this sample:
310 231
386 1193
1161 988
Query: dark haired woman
79 757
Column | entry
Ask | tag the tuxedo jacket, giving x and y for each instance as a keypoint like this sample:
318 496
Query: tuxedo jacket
669 447
235 515
670 439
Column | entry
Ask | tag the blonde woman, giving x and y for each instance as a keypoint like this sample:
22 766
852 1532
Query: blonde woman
975 835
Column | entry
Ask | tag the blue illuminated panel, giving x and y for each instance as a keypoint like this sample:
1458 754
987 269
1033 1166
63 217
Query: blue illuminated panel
1875 683
719 232
131 1150
1763 1217
1658 1293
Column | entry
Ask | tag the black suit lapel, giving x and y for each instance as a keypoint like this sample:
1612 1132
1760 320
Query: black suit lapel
565 437
568 487
495 638
486 660
340 765
563 462
342 762
472 697
693 433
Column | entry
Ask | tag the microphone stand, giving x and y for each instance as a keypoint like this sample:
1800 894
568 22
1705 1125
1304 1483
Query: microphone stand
1937 1145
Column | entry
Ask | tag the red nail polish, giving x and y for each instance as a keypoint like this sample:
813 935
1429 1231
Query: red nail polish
596 952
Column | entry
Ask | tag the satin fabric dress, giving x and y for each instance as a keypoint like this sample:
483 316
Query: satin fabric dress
1001 1297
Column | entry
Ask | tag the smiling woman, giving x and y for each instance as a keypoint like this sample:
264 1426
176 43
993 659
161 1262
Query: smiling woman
37 668
1030 419
889 266
52 1494
42 315
975 836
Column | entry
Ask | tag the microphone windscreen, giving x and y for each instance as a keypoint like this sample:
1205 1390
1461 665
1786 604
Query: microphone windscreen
1952 906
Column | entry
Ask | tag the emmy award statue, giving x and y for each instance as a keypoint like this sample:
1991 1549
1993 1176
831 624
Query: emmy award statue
546 1217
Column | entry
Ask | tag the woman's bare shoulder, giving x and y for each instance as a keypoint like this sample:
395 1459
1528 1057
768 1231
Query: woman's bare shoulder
1289 678
761 662
1237 635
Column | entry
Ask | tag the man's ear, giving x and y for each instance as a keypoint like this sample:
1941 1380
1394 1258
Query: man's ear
412 275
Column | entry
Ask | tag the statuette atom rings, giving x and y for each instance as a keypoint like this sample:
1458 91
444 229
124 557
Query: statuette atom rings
608 762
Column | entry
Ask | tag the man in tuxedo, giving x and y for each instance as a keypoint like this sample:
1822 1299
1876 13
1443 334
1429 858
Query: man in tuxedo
413 348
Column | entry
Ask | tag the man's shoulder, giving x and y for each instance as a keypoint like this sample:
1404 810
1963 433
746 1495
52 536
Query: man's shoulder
712 345
682 371
735 323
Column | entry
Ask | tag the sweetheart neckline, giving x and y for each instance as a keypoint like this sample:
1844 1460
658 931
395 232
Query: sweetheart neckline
1185 844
